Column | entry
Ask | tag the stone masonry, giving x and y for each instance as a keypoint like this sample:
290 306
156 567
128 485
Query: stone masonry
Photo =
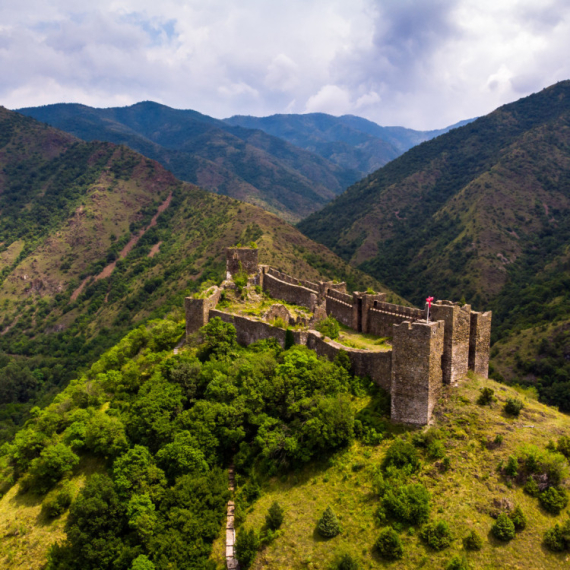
416 371
424 355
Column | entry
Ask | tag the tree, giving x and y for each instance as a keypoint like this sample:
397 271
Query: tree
247 545
328 525
437 535
274 517
53 463
503 528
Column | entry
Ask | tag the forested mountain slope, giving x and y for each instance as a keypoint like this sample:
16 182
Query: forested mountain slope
246 164
94 238
349 141
481 213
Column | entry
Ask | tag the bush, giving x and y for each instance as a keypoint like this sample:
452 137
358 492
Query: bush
328 525
402 455
557 538
553 500
518 518
389 545
436 449
503 528
56 504
531 488
274 517
458 563
142 562
512 467
346 562
247 545
486 397
329 327
437 535
563 446
408 503
513 406
473 541
53 463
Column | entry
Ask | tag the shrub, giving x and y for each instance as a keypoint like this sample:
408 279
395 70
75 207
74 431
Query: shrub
402 455
513 406
563 446
52 464
328 525
247 545
408 503
557 538
553 500
274 517
437 535
498 440
503 528
142 562
473 541
458 563
389 545
446 463
531 488
512 467
436 449
346 562
55 505
329 327
518 518
486 397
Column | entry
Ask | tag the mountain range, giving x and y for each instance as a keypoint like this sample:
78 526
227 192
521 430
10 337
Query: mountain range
286 170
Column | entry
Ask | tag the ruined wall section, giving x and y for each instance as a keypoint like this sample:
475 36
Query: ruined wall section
241 259
457 320
293 294
339 296
376 365
197 310
416 371
340 310
250 330
292 281
383 316
480 342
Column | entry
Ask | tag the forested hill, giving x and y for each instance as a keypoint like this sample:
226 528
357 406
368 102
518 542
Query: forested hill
95 238
349 141
480 213
246 164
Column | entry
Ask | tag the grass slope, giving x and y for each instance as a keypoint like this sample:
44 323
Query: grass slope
463 496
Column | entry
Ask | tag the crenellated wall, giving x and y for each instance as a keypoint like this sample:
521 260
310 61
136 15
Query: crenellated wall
341 311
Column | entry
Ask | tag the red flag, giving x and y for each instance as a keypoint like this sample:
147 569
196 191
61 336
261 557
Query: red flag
429 301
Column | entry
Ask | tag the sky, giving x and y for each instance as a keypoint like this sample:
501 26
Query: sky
422 64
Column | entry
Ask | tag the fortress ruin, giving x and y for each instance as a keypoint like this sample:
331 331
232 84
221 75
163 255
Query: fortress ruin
423 355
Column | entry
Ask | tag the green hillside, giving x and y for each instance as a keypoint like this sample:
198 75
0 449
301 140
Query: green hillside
127 467
246 164
480 213
95 239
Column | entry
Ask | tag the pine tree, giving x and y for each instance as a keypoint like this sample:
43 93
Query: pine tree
328 526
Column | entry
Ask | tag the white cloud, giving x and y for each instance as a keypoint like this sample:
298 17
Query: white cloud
417 63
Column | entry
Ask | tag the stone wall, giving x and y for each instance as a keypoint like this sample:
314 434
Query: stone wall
416 371
376 365
241 259
197 310
340 296
293 294
341 311
251 330
292 281
480 342
457 329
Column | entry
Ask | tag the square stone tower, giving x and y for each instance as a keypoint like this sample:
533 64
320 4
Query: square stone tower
480 342
416 370
241 259
457 321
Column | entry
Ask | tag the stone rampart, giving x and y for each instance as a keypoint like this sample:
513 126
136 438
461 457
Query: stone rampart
410 313
293 294
251 330
340 296
457 320
416 371
292 281
341 311
376 365
197 309
480 342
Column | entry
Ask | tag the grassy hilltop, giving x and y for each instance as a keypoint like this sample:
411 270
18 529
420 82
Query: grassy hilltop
140 445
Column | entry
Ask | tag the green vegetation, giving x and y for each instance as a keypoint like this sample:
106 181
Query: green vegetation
504 528
328 525
329 327
389 545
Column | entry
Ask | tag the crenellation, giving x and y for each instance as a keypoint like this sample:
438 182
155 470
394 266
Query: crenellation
425 355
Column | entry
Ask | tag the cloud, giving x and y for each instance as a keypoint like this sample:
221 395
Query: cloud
417 63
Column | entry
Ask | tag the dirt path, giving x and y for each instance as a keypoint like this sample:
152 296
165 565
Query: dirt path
231 561
108 270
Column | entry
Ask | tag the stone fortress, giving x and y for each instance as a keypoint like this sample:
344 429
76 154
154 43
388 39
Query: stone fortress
424 355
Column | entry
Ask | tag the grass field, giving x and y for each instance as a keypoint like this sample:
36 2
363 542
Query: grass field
462 496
